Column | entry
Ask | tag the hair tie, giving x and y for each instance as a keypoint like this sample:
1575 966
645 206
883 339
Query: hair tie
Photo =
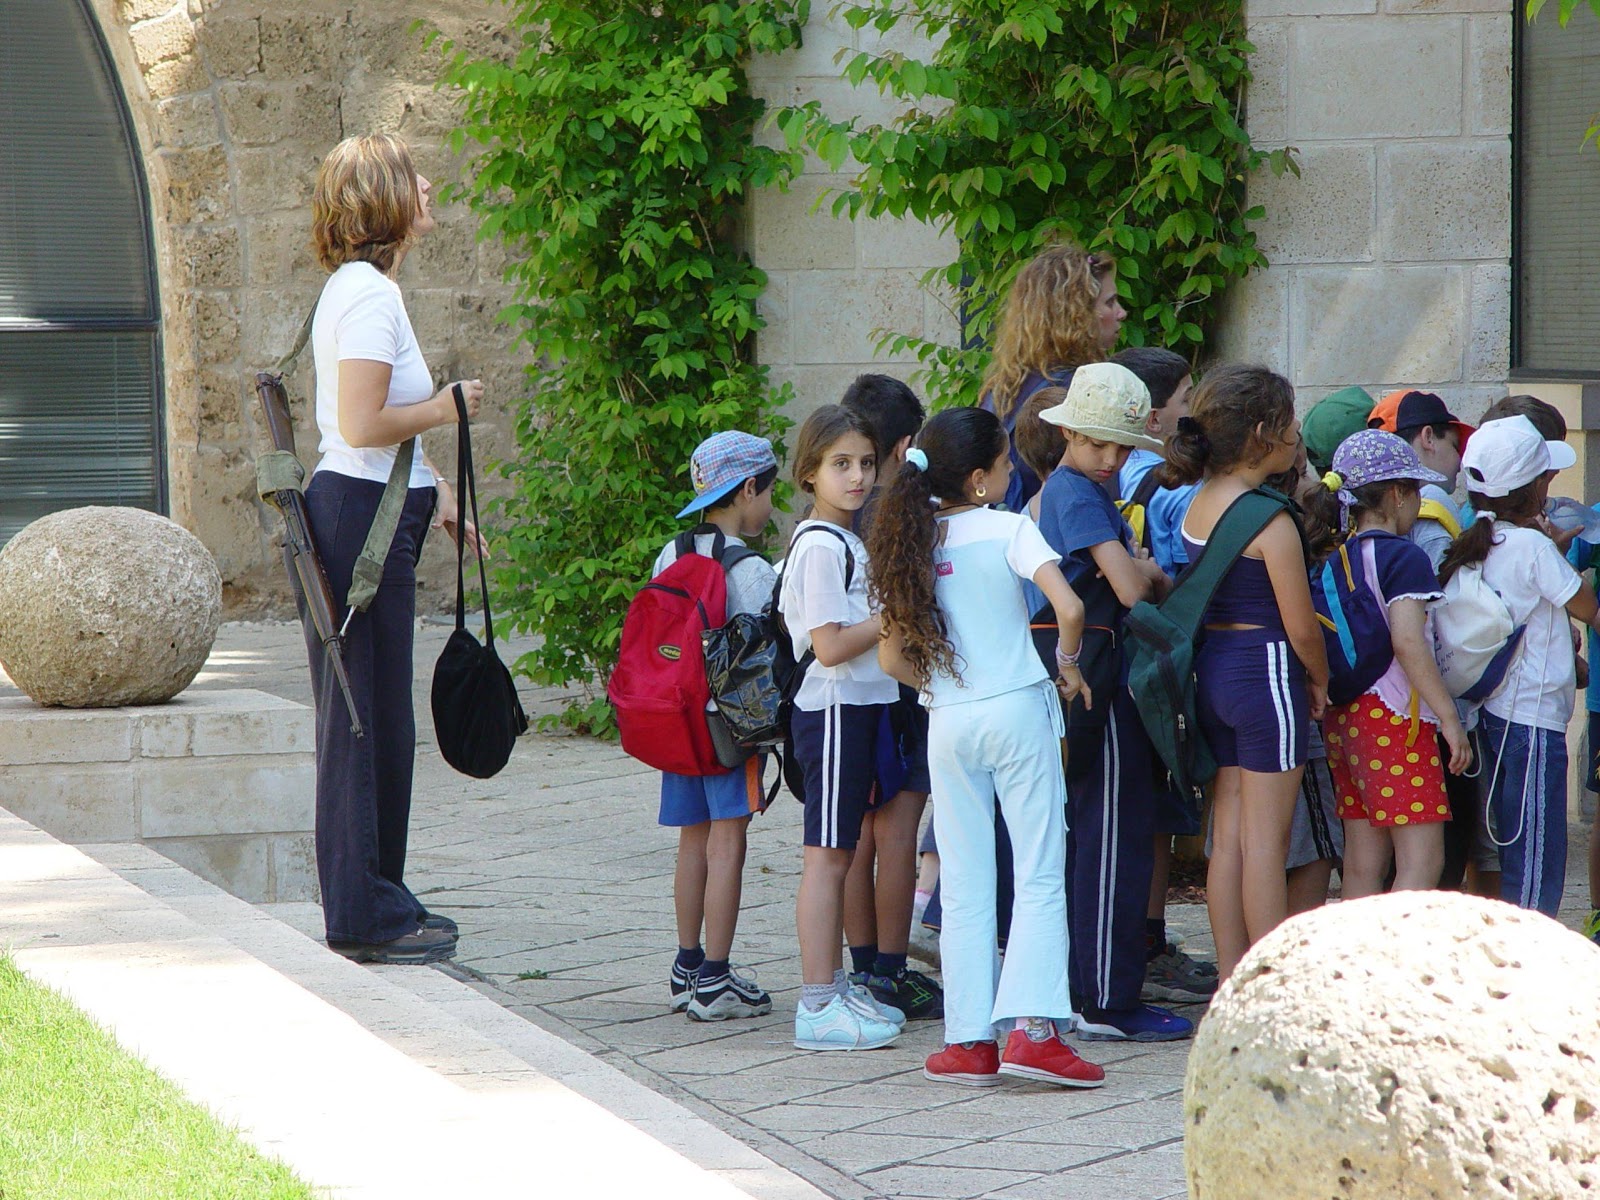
1333 481
1483 514
1191 427
917 459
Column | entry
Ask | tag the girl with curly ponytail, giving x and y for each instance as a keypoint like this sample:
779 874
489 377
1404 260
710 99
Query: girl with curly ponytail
947 579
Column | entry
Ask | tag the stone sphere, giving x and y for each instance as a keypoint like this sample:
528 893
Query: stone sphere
101 607
1409 1046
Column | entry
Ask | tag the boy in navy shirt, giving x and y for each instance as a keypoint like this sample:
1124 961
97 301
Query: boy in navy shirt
1110 789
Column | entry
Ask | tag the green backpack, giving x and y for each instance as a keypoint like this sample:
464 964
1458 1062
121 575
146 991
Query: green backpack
1159 641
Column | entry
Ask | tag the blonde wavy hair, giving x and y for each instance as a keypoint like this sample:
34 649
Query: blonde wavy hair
365 202
1048 321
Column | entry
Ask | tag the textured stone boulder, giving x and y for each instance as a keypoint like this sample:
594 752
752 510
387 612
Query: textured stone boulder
106 606
1417 1046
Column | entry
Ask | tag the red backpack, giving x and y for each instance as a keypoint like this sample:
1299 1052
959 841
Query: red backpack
658 688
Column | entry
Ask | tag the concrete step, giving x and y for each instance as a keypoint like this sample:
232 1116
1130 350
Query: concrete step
387 1082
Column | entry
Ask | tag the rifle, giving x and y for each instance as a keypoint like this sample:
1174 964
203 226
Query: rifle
278 479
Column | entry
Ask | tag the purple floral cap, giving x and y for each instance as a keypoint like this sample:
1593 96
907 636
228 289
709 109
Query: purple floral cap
1373 456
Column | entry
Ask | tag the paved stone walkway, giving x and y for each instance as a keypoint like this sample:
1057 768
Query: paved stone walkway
561 881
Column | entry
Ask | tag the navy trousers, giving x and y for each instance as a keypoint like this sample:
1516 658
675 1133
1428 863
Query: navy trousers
1111 810
364 784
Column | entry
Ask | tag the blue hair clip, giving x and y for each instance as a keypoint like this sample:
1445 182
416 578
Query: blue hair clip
917 458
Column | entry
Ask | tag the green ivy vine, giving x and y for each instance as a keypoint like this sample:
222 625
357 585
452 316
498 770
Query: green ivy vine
1114 123
617 151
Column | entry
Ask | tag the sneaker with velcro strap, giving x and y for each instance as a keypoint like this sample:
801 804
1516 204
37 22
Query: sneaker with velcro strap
725 996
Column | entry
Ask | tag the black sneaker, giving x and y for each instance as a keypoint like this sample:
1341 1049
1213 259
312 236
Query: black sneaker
912 992
444 924
680 988
730 995
414 949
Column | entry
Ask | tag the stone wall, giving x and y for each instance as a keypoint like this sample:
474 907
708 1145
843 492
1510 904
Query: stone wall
833 284
1391 252
234 105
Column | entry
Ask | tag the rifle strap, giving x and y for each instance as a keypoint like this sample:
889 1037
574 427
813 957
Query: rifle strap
367 575
300 340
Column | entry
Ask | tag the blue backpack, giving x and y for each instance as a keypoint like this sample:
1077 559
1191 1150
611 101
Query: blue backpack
1354 619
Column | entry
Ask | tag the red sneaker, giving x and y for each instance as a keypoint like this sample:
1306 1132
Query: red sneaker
1049 1061
972 1064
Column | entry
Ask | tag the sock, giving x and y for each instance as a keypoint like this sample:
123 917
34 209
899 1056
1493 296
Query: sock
862 958
1038 1029
1155 937
814 995
690 958
841 982
889 965
713 969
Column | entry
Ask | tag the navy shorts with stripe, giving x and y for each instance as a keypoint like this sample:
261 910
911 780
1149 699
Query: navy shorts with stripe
837 749
1253 706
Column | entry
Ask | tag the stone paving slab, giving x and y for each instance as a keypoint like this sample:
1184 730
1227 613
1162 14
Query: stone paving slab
561 882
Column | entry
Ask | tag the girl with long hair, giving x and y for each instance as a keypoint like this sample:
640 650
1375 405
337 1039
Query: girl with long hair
1061 311
947 576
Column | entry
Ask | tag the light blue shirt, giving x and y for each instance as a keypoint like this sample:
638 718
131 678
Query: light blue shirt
979 567
1164 514
1583 555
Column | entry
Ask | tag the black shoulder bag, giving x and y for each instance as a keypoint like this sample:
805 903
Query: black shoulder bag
477 715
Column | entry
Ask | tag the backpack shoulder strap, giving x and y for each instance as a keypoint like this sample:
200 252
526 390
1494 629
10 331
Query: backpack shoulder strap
849 558
1244 520
1148 486
1432 510
684 543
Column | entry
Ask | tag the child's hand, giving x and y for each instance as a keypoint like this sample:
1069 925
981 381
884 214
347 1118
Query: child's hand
1070 684
1319 699
1455 736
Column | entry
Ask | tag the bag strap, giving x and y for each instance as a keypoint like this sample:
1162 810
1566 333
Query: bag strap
467 489
1149 484
367 576
300 340
1240 525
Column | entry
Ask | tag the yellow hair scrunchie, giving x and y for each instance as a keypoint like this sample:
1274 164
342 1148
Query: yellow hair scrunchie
1333 481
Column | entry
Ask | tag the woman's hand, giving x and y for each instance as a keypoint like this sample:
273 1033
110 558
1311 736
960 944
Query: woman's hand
1455 736
1069 682
471 396
447 516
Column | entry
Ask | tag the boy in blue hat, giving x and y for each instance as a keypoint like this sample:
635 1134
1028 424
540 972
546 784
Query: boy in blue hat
733 474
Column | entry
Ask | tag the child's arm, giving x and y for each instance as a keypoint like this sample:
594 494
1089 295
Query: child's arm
1280 548
1132 579
834 643
1407 631
1069 625
892 658
1583 606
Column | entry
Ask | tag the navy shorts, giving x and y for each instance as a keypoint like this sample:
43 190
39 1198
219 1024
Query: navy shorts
910 722
1254 710
837 749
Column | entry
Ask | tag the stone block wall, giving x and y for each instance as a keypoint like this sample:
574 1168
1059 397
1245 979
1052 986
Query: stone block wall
1391 252
234 105
834 285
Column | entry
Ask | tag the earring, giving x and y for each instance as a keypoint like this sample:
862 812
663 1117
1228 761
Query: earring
981 492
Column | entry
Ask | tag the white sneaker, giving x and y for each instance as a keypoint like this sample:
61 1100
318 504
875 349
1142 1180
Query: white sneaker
732 995
868 1005
839 1025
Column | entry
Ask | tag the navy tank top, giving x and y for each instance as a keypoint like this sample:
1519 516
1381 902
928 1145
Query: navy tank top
1245 595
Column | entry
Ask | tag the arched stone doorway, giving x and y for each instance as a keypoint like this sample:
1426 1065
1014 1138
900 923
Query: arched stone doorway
80 350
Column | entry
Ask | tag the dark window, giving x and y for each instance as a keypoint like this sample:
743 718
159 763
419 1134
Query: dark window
1556 258
80 403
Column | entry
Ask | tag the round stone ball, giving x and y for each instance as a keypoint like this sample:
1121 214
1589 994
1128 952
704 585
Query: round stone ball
101 607
1414 1046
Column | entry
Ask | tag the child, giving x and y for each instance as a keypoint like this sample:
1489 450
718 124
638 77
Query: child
1438 436
948 581
838 708
1039 444
1170 974
1111 803
733 474
878 904
1522 734
1329 421
1382 746
1262 672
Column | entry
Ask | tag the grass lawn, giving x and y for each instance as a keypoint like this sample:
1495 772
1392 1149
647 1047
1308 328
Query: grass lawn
81 1119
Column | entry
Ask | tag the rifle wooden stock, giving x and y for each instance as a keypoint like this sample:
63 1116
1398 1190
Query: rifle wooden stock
299 550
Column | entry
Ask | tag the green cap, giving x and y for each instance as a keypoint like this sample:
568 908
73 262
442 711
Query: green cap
1331 420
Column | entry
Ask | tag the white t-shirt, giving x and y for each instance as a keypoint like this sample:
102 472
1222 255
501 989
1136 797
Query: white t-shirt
361 315
749 583
979 569
814 595
1536 582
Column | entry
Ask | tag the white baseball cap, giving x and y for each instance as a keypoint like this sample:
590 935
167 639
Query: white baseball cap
1510 453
